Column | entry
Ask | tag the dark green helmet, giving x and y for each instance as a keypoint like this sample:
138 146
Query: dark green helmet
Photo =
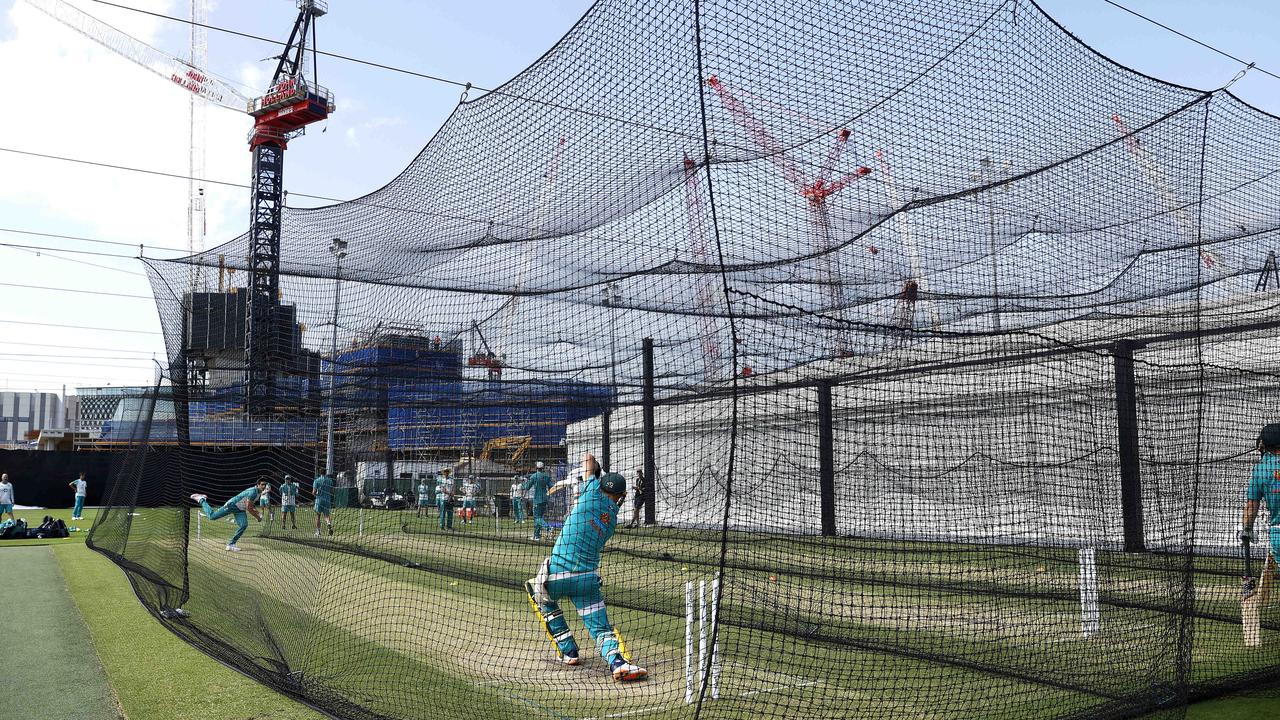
614 484
1269 437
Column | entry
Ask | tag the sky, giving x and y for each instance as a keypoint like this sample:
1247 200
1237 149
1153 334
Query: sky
86 319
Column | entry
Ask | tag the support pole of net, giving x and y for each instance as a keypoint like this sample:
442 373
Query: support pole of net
178 377
826 461
1127 442
604 440
650 461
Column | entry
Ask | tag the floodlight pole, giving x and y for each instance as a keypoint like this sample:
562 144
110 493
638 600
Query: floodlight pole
611 297
338 248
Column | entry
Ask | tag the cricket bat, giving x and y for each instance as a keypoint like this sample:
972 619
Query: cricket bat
1249 600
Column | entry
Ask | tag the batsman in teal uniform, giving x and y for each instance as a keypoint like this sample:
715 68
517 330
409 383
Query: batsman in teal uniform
322 487
536 488
245 502
572 572
1264 488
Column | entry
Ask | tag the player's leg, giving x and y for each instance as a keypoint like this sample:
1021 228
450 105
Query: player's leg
75 513
539 509
328 519
587 597
315 509
242 524
543 599
440 513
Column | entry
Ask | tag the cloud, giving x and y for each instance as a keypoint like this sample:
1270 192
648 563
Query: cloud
358 131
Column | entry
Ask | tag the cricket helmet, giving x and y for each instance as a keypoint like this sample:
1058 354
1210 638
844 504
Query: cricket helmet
613 483
1269 436
538 465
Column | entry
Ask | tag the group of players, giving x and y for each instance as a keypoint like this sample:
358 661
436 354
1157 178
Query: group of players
570 572
257 499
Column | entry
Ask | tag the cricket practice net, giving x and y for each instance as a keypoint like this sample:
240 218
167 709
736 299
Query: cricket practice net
942 342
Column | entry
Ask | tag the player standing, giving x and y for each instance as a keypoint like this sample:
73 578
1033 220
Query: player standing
638 498
424 497
82 489
444 498
6 497
289 502
322 488
469 489
572 572
264 503
1264 487
245 502
536 487
517 499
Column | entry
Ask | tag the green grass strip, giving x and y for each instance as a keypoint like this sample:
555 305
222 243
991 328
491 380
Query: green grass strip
155 674
52 670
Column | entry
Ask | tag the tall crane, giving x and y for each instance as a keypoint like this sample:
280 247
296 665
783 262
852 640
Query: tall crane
291 103
816 189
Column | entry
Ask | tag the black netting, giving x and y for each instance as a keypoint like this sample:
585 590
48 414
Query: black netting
942 341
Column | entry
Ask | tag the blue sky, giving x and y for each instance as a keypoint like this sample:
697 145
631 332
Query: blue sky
68 97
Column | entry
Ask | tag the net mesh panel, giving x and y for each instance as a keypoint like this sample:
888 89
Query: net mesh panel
960 338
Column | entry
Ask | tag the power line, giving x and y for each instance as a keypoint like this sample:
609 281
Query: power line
80 327
77 291
1185 36
47 252
81 238
8 342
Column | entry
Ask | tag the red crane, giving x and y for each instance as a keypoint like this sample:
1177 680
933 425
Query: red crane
705 295
816 189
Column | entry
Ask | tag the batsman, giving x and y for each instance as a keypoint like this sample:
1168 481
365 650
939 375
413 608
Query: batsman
572 572
1264 487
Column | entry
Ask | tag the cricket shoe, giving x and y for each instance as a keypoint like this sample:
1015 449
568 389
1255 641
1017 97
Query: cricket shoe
199 498
570 659
317 533
233 548
624 671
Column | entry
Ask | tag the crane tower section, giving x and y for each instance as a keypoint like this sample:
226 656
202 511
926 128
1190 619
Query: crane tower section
292 102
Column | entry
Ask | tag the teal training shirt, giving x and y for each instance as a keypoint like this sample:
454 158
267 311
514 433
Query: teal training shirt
1265 485
323 489
539 483
586 530
245 498
288 494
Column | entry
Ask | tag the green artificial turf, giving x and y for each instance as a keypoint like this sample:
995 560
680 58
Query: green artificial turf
52 670
155 674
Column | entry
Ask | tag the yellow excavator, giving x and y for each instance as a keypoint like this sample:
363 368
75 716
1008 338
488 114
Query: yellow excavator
517 444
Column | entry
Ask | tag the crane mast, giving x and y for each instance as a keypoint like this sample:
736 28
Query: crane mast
290 104
196 160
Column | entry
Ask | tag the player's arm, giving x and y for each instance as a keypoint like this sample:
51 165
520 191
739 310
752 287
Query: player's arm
253 510
1257 487
1250 514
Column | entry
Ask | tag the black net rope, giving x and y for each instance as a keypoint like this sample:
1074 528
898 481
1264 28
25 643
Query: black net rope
941 339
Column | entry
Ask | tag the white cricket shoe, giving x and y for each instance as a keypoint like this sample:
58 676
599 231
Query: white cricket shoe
626 672
317 533
233 548
199 498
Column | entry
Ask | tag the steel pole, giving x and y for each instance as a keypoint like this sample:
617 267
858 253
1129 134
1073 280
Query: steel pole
333 365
